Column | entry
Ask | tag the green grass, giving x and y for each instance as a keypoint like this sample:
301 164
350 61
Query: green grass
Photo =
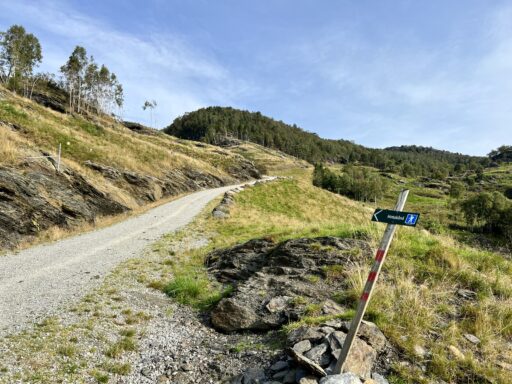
415 296
191 286
125 344
122 369
102 140
68 350
100 377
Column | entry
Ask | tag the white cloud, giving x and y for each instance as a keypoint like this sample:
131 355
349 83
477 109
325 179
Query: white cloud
405 91
157 66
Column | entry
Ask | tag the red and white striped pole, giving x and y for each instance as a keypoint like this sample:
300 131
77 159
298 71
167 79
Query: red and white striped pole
370 284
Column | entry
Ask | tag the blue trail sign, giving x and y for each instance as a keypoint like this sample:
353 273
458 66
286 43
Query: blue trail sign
396 217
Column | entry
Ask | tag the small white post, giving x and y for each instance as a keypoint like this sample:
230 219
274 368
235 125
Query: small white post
58 159
370 284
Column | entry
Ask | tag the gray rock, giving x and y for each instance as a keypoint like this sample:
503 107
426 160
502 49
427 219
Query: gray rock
344 378
290 377
300 373
250 376
279 366
319 354
230 315
279 375
302 346
308 380
278 303
335 323
361 359
370 333
379 379
310 365
267 277
218 214
304 333
68 200
326 330
146 371
472 338
330 307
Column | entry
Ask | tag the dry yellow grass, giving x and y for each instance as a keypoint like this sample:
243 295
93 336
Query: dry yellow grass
415 302
102 140
27 129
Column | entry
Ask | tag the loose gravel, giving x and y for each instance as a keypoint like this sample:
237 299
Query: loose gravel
38 282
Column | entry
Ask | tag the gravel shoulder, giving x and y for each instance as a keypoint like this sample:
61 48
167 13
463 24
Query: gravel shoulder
38 282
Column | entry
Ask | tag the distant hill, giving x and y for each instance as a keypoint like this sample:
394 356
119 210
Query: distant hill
212 124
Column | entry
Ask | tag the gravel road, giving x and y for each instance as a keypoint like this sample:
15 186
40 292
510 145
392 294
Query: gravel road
39 281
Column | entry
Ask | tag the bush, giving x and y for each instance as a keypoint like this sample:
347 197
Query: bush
356 183
457 189
489 212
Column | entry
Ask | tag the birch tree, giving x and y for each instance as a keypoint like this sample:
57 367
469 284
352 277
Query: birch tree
20 53
74 74
151 105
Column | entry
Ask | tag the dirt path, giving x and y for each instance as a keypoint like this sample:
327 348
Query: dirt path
37 282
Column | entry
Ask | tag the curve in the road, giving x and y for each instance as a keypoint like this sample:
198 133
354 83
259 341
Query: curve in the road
39 281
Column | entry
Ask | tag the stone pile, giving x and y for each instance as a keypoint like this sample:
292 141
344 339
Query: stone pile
314 352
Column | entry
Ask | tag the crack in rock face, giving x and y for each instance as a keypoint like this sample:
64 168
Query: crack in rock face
278 283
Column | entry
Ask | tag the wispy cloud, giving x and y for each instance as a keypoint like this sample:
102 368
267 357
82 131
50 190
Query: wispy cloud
405 92
158 66
380 80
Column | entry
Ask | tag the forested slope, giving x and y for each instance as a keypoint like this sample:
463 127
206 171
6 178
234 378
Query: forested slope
212 124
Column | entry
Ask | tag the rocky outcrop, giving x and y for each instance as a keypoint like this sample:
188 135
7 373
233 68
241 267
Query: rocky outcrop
37 198
318 348
278 283
149 188
139 128
34 197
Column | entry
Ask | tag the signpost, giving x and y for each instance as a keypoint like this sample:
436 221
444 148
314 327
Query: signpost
392 218
395 217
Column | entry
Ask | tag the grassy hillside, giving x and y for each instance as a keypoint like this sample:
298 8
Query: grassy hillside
434 198
132 168
417 301
212 124
268 160
27 128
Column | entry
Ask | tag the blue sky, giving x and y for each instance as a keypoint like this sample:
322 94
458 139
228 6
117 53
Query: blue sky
381 73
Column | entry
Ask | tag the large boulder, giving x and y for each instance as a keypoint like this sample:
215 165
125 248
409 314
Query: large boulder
361 358
277 283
